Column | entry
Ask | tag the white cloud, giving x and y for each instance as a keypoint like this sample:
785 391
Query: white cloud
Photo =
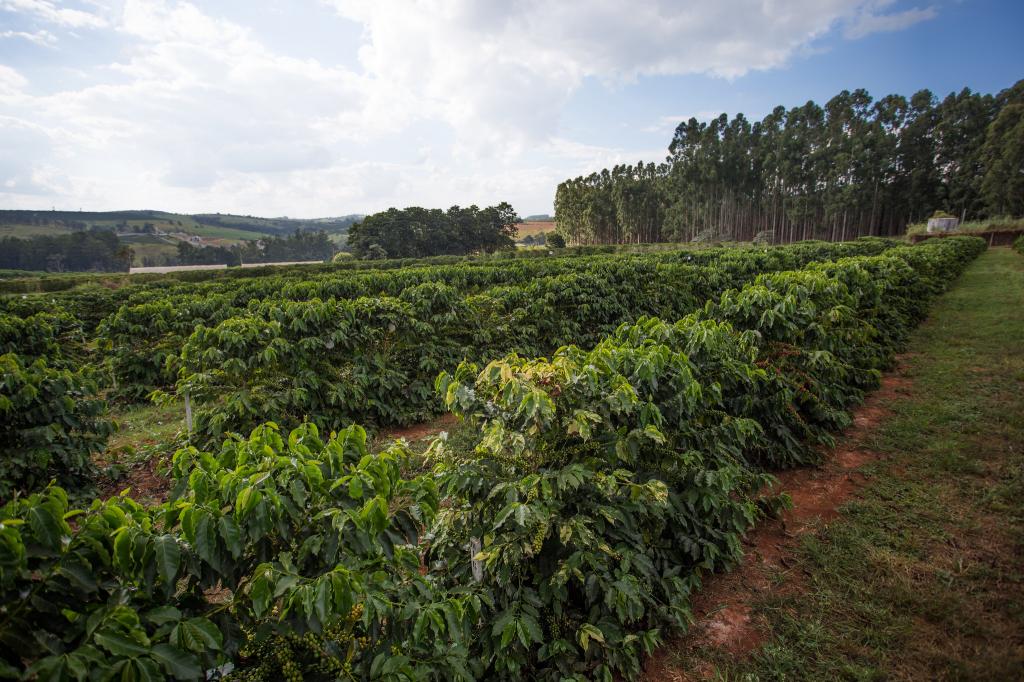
20 144
41 37
451 101
50 12
869 21
197 97
11 82
668 124
500 72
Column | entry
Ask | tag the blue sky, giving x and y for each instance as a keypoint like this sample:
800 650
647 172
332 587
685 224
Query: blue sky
327 107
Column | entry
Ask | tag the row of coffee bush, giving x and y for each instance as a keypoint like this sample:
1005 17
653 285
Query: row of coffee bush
606 484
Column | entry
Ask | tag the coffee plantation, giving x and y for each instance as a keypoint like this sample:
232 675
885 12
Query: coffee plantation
630 412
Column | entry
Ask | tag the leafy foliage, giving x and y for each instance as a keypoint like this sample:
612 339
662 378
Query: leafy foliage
94 592
79 251
607 482
415 232
51 418
605 485
304 537
56 336
372 360
555 241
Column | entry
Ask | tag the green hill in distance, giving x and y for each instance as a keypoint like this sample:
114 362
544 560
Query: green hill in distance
207 225
154 235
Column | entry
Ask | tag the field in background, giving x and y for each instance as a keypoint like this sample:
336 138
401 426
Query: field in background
155 234
534 227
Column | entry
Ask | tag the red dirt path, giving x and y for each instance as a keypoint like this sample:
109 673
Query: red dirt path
423 430
722 613
145 482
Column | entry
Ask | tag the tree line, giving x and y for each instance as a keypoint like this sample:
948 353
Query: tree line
276 226
98 250
299 246
852 167
416 232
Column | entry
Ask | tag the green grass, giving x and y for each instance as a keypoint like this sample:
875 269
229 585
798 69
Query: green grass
169 225
20 274
922 577
25 231
134 240
218 232
144 429
138 456
158 252
998 223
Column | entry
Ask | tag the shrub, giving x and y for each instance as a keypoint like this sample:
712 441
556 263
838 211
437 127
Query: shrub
606 484
51 425
310 546
51 418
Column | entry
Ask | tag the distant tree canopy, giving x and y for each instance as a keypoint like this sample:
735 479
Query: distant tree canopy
302 245
555 241
415 232
853 167
1003 183
206 255
277 226
98 250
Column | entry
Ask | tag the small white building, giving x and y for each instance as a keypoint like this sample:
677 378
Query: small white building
943 224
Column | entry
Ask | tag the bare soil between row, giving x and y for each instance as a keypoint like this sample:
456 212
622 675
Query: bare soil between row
722 609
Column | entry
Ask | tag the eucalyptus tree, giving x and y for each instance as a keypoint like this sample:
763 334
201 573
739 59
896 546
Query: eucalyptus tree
1003 184
961 126
852 167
